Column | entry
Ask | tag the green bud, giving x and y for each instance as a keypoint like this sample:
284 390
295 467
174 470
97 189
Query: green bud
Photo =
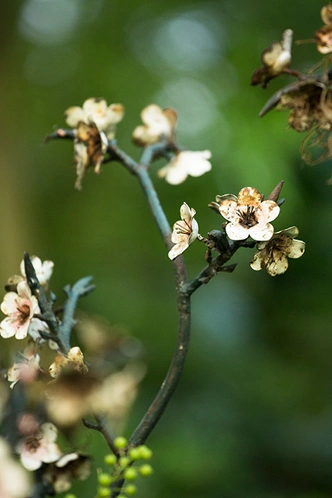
130 489
145 470
130 474
104 492
145 452
120 442
104 479
122 496
124 461
70 495
110 459
135 453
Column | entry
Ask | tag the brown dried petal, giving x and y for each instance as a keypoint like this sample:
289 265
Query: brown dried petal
326 13
323 38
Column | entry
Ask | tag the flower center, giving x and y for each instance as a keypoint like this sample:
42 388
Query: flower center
247 216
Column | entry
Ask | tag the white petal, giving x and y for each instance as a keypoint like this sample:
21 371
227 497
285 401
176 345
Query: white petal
178 249
74 115
261 233
228 208
236 232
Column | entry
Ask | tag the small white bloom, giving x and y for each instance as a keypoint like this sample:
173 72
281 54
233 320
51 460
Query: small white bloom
193 163
43 270
158 123
184 231
96 111
248 214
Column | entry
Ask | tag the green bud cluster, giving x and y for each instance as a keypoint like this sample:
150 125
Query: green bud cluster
125 466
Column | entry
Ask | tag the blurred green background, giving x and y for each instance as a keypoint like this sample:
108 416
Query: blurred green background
252 416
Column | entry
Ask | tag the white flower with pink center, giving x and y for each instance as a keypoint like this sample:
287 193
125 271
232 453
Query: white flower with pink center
20 308
40 448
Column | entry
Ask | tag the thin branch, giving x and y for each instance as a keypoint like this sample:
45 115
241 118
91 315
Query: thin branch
81 288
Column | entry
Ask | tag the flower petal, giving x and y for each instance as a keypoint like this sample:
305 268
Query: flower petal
296 249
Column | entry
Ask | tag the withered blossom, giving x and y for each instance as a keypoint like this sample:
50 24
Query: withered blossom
323 36
248 215
95 124
184 163
74 360
185 231
276 60
310 105
273 255
69 467
158 124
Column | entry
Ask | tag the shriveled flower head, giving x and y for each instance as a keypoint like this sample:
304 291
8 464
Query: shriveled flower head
248 214
39 447
272 255
184 232
326 13
70 466
276 60
95 124
96 110
20 308
158 124
184 163
43 269
74 360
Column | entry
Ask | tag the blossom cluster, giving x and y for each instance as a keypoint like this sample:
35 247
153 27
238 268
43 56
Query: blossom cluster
95 127
248 215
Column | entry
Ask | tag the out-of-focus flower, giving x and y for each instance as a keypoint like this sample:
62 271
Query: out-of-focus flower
95 124
276 60
326 13
43 269
20 308
118 392
69 467
248 214
323 36
39 447
74 360
96 110
158 124
184 232
323 39
272 255
70 396
14 480
184 163
26 369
